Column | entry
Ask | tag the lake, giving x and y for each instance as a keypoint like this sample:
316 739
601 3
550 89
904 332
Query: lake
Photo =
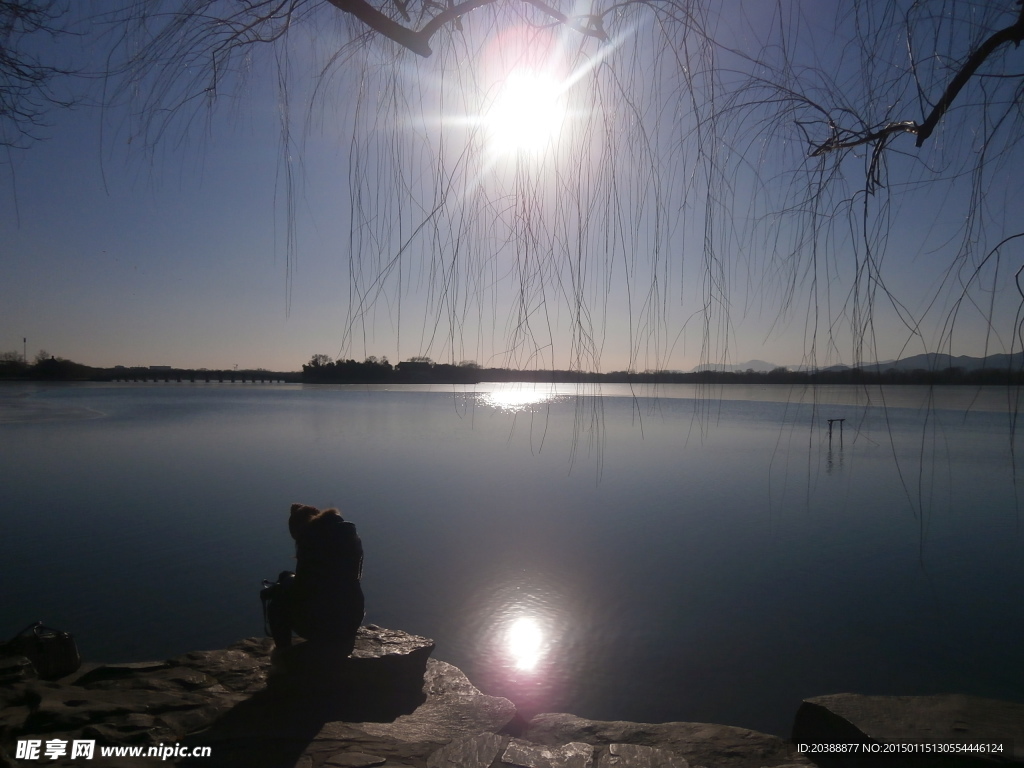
678 553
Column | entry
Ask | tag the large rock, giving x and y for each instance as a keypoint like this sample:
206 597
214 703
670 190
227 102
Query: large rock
848 718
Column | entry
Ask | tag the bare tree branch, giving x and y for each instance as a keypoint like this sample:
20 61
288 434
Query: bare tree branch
1012 34
847 139
418 41
26 79
838 142
413 40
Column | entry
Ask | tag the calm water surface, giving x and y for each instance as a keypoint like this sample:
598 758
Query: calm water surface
678 554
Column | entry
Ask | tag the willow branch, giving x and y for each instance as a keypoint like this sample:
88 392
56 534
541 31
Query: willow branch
923 130
418 40
449 15
386 26
1012 34
833 144
593 29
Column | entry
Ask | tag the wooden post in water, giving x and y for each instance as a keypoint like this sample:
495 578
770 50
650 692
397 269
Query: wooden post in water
840 432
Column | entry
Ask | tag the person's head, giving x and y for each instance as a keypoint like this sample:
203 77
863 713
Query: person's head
302 515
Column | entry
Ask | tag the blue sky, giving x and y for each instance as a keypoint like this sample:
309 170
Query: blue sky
113 255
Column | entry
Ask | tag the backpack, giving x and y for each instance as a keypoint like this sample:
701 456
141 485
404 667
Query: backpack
52 652
274 590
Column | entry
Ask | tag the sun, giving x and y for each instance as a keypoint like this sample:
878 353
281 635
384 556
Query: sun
527 113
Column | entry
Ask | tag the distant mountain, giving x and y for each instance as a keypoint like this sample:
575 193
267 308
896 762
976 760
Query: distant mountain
932 361
936 361
755 365
939 362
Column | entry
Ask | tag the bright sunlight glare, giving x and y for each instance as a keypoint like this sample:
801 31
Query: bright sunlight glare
524 641
527 112
518 398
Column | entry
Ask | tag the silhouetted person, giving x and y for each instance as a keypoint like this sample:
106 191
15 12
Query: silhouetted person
324 602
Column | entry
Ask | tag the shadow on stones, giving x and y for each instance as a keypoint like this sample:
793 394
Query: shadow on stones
275 727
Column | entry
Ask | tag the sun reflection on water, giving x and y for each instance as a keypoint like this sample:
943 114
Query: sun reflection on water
522 636
513 398
525 641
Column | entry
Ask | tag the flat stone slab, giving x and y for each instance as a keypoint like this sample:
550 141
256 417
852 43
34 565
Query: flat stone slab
949 718
353 760
478 751
373 642
381 678
453 709
699 744
524 754
241 668
638 756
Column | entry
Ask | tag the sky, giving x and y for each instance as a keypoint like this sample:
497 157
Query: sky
406 244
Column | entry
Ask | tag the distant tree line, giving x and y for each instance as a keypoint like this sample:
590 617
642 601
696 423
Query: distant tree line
321 369
45 367
423 370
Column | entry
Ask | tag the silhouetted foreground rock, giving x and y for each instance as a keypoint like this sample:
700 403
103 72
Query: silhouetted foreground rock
388 705
930 720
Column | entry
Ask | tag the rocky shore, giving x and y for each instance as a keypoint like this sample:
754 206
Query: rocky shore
391 705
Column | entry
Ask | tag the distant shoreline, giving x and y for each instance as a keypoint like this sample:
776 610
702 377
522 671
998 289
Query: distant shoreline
365 373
